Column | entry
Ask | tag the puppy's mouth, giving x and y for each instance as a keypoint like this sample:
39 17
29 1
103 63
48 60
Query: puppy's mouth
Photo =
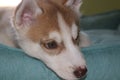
68 74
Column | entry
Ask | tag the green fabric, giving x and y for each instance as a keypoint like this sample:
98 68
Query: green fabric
103 36
109 20
16 65
103 64
103 57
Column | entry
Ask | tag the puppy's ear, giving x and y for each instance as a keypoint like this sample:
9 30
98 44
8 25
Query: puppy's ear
26 12
73 4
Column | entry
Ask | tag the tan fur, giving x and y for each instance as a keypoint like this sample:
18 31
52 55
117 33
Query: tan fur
59 1
48 21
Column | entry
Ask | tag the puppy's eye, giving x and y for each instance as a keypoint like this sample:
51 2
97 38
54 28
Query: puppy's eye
51 45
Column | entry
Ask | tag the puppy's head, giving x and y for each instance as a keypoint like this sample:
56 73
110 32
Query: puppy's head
48 30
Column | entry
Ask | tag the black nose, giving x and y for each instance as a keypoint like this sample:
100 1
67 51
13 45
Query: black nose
80 72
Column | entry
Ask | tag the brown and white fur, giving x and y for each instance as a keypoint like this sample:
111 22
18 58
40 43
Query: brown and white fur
48 30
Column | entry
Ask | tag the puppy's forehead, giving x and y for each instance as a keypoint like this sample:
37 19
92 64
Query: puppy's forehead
51 8
47 22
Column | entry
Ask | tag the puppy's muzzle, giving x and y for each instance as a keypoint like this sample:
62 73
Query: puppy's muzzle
80 72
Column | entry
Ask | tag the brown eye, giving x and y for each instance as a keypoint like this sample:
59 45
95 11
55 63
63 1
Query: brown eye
51 45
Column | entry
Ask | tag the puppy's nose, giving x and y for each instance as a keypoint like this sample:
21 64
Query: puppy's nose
80 72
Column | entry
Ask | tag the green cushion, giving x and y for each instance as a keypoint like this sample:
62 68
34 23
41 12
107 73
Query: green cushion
103 57
109 20
103 64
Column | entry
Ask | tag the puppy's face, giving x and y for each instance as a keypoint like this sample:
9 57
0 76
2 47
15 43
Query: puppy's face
48 30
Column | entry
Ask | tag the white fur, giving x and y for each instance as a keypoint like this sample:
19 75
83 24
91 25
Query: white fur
75 5
84 40
74 31
71 55
55 36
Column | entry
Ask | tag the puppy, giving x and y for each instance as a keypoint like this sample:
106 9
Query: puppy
48 30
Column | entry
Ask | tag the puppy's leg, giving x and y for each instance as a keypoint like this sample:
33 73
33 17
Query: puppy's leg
4 39
6 36
84 40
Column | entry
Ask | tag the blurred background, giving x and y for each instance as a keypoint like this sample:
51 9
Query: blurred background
9 3
89 7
